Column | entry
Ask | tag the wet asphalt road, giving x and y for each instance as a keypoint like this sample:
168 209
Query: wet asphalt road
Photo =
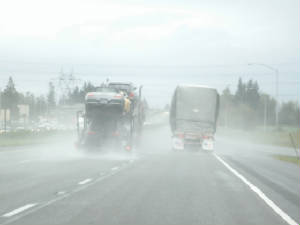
56 184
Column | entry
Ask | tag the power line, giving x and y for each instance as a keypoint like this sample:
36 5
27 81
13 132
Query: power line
66 82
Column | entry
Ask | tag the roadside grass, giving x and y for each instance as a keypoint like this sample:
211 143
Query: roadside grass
286 158
22 138
270 137
279 138
29 138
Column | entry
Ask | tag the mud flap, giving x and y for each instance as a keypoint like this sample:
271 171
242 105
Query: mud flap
177 143
208 144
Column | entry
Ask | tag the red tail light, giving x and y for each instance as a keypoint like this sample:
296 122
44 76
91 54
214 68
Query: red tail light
180 135
118 96
131 95
90 94
128 147
116 133
91 132
207 137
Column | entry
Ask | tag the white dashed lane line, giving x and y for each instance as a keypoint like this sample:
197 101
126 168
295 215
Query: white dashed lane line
85 181
114 168
24 161
25 210
19 210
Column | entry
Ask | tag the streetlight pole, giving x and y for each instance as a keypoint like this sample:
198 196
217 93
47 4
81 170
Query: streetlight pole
226 108
265 112
276 83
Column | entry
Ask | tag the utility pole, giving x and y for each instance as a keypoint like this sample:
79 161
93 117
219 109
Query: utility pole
4 111
1 106
226 108
265 113
4 120
66 83
277 97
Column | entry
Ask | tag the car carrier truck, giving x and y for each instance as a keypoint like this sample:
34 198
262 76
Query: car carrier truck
112 117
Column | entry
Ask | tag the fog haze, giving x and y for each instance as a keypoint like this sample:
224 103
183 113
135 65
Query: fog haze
208 40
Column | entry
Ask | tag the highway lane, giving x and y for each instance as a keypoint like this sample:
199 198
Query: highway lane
58 185
279 180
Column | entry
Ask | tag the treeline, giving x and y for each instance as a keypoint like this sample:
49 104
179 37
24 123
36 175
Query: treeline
248 108
40 105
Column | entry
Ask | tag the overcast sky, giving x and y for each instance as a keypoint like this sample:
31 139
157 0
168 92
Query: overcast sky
196 33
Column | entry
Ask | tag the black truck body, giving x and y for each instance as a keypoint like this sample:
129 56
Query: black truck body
193 116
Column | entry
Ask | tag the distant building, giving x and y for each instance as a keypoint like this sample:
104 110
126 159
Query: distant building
2 116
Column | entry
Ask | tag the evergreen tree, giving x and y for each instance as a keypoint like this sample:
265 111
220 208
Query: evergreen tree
252 94
51 96
74 96
10 99
41 106
31 101
289 114
240 92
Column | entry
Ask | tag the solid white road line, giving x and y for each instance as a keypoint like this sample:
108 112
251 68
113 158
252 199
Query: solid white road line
85 181
19 210
60 192
267 200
